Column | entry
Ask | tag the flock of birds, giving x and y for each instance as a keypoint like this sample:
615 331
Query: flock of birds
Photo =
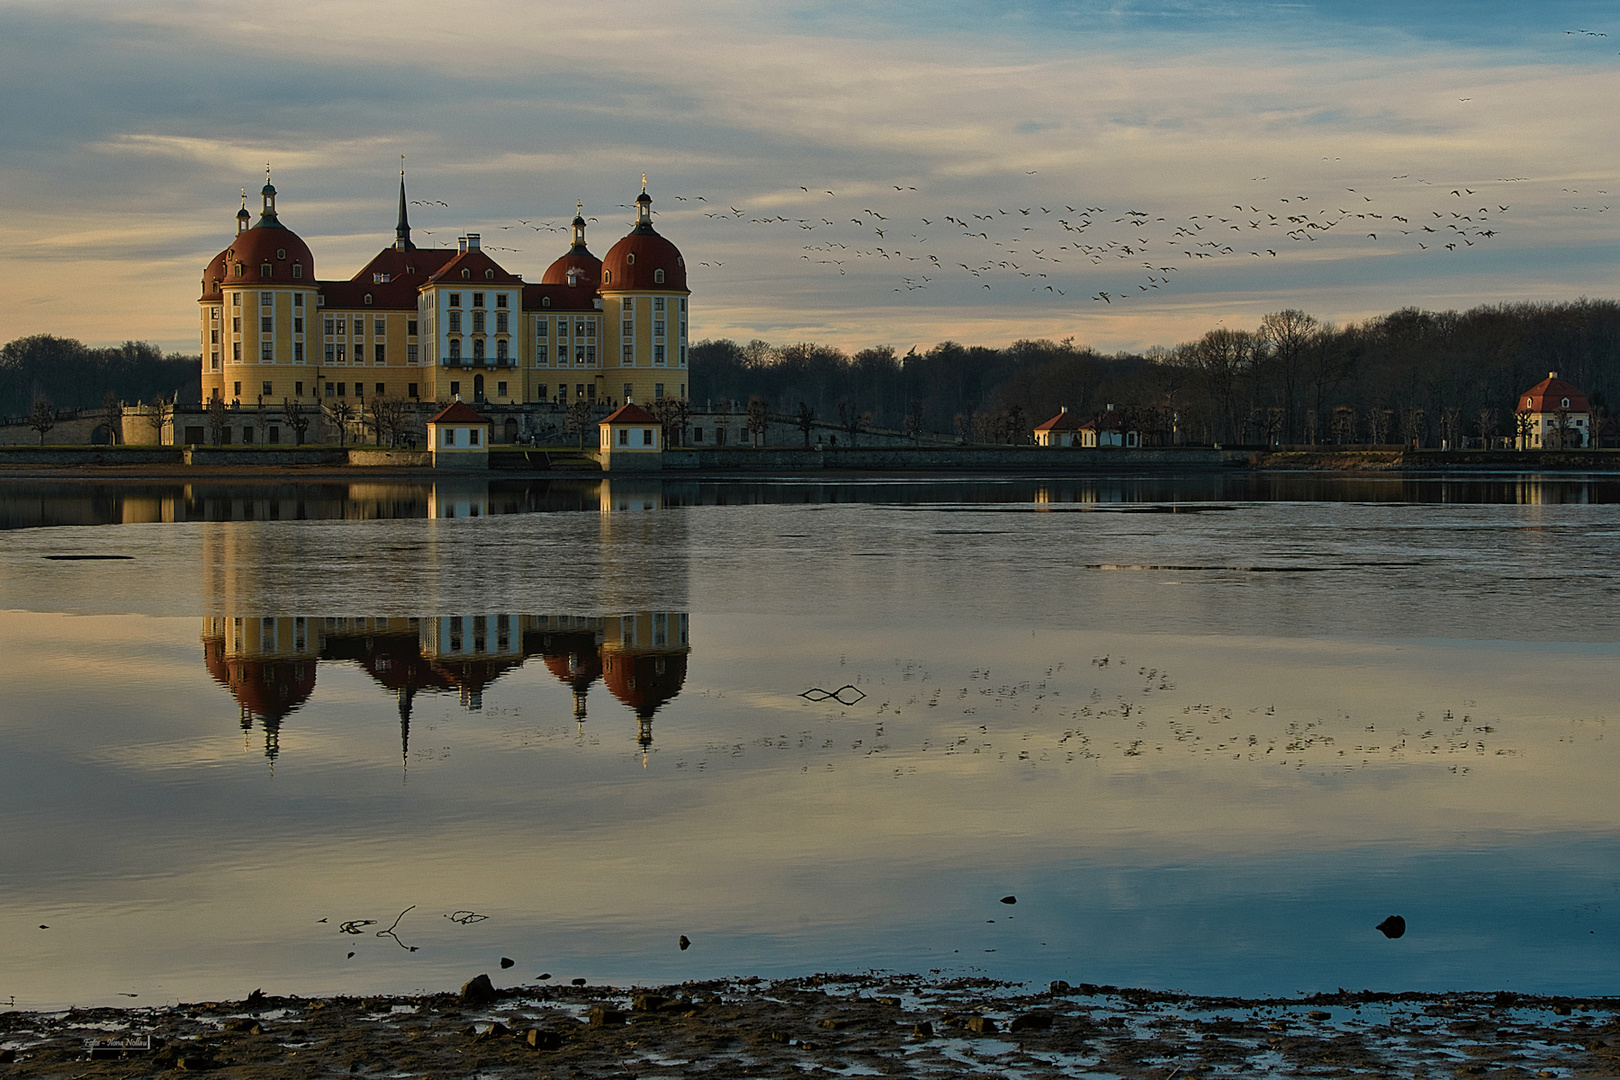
1067 248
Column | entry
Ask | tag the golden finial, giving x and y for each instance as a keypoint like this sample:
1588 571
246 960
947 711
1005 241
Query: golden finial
644 183
267 172
402 164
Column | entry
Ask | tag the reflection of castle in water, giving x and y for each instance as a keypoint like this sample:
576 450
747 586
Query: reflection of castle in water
269 662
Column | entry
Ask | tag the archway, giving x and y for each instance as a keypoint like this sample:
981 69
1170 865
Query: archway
478 388
509 431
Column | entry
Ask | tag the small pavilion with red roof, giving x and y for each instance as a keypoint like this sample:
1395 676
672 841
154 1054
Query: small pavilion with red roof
1553 415
632 440
459 438
1062 430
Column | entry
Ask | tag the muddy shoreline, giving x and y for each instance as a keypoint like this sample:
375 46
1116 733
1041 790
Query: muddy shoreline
826 1025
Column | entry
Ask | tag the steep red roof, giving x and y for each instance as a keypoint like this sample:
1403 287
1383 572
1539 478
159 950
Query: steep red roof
275 245
479 267
1063 421
456 413
580 297
1553 394
629 413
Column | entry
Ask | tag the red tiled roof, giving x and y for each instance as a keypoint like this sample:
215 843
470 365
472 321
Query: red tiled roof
477 264
274 244
1553 394
587 268
1063 421
456 413
581 297
633 263
630 413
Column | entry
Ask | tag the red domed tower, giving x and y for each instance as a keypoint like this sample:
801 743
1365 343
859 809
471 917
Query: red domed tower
578 269
644 297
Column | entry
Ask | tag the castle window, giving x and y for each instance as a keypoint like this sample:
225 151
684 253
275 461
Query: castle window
630 259
239 269
478 299
658 301
478 348
540 357
545 301
455 299
267 270
281 254
500 300
540 329
368 300
267 299
298 299
380 356
410 354
267 352
500 349
410 327
658 278
379 327
466 274
490 274
266 325
607 277
500 321
298 270
478 317
455 322
455 350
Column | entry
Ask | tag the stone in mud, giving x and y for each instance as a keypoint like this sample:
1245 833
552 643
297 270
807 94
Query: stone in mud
648 1002
923 1030
1058 986
479 991
1032 1021
1319 1014
980 1025
543 1040
603 1016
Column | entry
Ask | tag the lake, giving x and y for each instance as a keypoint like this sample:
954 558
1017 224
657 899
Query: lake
1208 731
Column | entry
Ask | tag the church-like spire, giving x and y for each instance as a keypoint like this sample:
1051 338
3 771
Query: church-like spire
242 215
402 231
267 216
644 208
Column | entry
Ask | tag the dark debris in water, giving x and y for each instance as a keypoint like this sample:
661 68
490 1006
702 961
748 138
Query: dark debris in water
914 1026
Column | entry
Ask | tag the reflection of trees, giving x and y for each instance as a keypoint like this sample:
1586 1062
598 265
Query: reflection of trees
268 663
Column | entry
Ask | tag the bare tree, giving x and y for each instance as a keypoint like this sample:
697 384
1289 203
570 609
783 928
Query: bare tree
911 423
579 419
672 414
160 415
295 418
1487 427
1344 424
758 419
1412 426
341 413
1290 337
1310 427
1524 427
113 413
850 419
1450 426
1222 358
387 418
1378 420
216 420
805 418
1563 429
42 416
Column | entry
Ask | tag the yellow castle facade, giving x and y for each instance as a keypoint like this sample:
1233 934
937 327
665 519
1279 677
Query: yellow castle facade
432 324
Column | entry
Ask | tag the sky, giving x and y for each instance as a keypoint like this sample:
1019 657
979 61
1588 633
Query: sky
1126 174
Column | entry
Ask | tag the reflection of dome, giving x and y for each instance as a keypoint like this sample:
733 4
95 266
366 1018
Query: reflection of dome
573 659
471 676
644 682
643 259
266 690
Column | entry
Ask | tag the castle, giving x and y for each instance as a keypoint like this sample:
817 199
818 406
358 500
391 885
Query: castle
429 324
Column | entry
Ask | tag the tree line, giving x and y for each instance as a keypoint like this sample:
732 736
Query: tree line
1434 378
71 375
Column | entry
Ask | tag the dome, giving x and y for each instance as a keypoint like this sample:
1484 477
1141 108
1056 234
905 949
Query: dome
643 259
587 270
268 244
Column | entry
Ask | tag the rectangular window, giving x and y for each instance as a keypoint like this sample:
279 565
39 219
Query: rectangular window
562 328
379 327
658 356
328 389
213 314
449 436
501 321
500 302
478 322
628 390
658 303
298 352
267 325
478 299
382 389
298 324
590 330
455 322
455 350
328 327
342 353
247 435
624 436
214 361
298 389
236 324
298 299
275 436
658 328
236 299
236 389
540 329
683 356
472 436
683 303
236 352
540 392
359 389
378 353
329 353
646 436
500 389
579 355
267 299
342 388
590 356
629 356
658 390
629 328
410 354
590 391
410 390
455 299
266 390
697 434
410 327
455 388
540 357
501 345
213 336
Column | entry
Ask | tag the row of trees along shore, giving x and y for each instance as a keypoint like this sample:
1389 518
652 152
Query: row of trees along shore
1437 378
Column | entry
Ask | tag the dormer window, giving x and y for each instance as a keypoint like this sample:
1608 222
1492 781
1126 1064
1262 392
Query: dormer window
680 260
1566 403
298 270
368 298
545 301
466 275
607 277
281 254
490 274
630 259
267 270
658 277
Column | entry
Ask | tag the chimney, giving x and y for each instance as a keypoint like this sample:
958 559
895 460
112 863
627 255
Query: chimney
461 244
1064 409
472 240
1552 374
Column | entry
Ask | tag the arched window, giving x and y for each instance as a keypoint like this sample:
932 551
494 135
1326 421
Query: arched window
368 298
607 277
298 270
630 259
490 274
545 301
465 274
658 277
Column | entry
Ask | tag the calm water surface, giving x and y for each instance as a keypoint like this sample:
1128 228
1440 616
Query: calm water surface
1208 731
